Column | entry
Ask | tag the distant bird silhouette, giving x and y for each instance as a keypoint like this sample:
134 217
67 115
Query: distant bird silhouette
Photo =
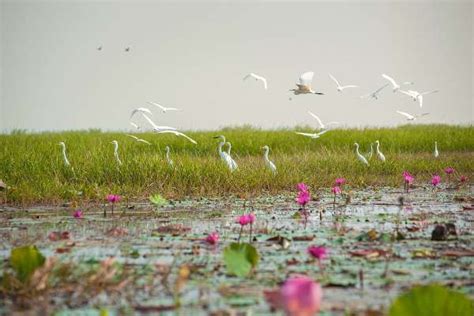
127 49
99 48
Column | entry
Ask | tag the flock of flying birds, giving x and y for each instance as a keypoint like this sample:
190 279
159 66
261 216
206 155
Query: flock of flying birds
303 86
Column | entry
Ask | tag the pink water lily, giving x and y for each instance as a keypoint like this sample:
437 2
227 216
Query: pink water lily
449 170
435 180
212 238
77 214
408 179
301 296
318 252
251 218
463 179
113 198
302 187
303 198
243 220
340 182
336 190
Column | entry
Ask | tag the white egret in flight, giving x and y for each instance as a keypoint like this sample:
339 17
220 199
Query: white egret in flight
313 135
257 78
224 156
270 165
417 96
140 110
304 84
359 156
116 155
163 108
436 152
229 148
395 85
321 124
378 152
138 139
168 159
339 87
411 117
157 128
375 95
135 125
66 161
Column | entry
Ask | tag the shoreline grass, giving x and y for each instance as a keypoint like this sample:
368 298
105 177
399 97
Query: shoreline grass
32 165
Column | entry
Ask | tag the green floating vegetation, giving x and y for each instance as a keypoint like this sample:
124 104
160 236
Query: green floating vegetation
240 259
431 300
25 260
157 200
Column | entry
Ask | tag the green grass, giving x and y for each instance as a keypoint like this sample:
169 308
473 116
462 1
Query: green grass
31 164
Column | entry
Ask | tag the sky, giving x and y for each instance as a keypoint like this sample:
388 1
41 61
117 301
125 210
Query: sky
193 55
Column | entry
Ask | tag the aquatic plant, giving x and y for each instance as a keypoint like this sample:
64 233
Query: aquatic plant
112 198
408 180
212 238
77 214
240 258
435 180
301 296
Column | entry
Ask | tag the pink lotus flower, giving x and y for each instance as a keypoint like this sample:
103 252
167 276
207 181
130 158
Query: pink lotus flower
113 198
301 296
77 214
408 177
435 180
302 187
317 252
463 179
251 218
340 181
213 238
303 198
243 220
336 190
449 170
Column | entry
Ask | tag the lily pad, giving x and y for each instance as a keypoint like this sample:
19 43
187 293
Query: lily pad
25 260
240 258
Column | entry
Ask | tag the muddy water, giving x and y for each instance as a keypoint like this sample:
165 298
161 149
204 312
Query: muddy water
144 239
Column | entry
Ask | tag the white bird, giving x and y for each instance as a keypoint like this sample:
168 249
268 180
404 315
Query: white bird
163 108
371 152
135 125
157 128
270 165
359 156
140 110
127 49
304 84
116 155
321 124
313 135
177 133
66 161
436 152
411 117
375 94
378 152
339 87
99 47
417 96
229 148
395 85
168 159
224 156
138 139
257 78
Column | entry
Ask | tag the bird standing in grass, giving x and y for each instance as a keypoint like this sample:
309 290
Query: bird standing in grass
229 148
359 156
378 152
436 152
270 165
116 154
168 159
66 161
224 156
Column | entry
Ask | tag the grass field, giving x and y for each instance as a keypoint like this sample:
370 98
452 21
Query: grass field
32 165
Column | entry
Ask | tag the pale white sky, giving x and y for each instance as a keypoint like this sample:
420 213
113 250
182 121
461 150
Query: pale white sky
193 55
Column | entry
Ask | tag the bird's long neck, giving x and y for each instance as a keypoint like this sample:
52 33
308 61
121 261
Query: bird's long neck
436 146
168 154
357 149
66 161
377 147
229 149
265 155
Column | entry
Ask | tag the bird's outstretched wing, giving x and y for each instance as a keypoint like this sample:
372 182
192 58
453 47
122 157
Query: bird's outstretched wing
257 77
306 78
179 134
349 86
321 125
409 93
407 115
334 79
140 110
390 79
132 136
423 114
429 92
322 132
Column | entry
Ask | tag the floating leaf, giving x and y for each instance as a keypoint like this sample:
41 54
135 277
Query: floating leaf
240 258
25 260
431 300
158 200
